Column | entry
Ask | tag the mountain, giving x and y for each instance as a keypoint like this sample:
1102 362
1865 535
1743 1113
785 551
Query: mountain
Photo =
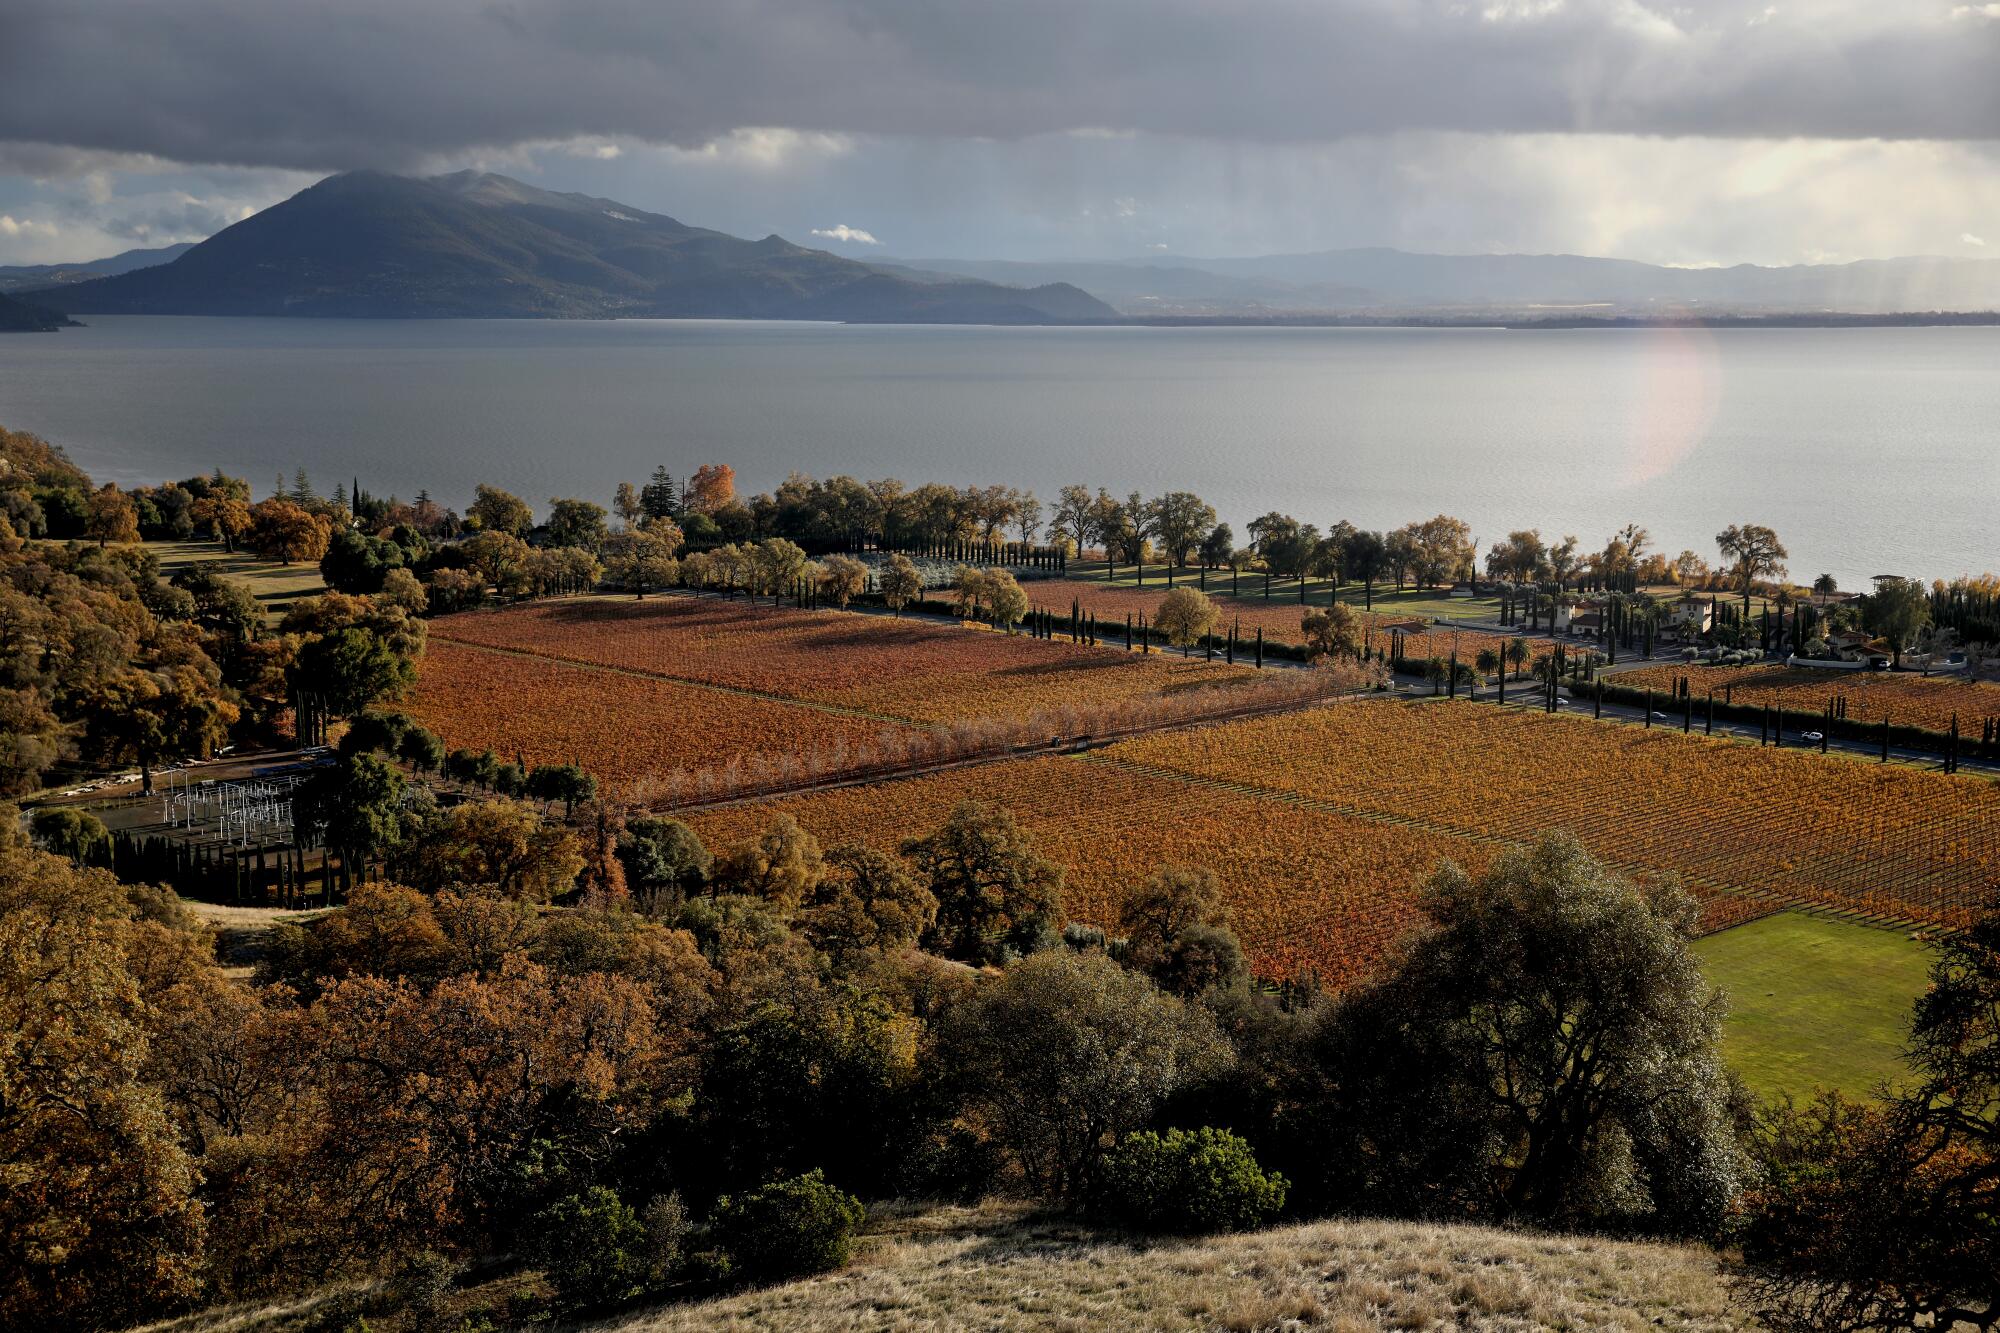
480 245
1380 281
22 317
27 277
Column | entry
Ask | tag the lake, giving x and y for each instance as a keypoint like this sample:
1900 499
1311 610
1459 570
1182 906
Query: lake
1869 450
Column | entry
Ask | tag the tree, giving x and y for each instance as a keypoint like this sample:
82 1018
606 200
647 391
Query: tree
1073 512
1333 632
1028 517
1068 1053
225 516
354 807
782 865
494 510
1217 546
561 782
1518 653
1824 587
1176 931
901 583
664 860
842 578
659 497
100 1223
338 674
1179 519
1754 551
110 516
143 717
713 487
1185 615
1563 562
576 523
497 844
357 563
995 892
1548 1050
285 532
69 832
868 899
1442 548
627 505
1897 611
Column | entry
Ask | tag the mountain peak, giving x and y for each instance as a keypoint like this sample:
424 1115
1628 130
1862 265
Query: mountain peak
478 244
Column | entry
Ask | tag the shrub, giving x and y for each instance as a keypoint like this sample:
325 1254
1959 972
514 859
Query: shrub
1189 1181
420 1288
789 1228
591 1246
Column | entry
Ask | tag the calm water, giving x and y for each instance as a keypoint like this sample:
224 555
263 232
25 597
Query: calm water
1869 450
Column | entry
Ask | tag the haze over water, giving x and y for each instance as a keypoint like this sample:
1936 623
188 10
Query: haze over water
1869 450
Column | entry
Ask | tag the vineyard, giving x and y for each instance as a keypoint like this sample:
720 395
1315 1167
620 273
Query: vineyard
618 725
1279 617
1850 835
898 670
1322 823
1904 698
1308 891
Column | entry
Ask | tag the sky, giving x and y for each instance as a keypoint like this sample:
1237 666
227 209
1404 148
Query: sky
1699 132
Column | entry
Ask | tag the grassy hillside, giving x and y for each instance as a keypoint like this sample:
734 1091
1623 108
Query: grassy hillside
1815 1003
999 1267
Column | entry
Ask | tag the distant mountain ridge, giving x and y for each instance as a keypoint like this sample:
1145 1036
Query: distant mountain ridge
366 244
1386 281
29 277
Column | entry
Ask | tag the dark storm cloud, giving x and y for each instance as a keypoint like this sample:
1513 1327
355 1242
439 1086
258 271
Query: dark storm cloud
391 82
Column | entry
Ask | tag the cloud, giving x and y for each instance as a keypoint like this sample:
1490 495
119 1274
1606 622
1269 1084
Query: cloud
1970 239
391 83
846 235
12 227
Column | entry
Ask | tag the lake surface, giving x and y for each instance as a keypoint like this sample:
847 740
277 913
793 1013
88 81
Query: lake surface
1869 450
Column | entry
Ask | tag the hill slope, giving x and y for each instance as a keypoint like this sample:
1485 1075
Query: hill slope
26 277
1393 282
26 317
998 1267
480 245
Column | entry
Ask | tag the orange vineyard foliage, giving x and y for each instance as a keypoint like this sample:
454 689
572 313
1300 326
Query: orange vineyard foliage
1907 699
1307 892
1321 824
618 725
1843 833
899 670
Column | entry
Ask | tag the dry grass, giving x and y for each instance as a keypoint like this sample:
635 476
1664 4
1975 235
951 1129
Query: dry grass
1000 1268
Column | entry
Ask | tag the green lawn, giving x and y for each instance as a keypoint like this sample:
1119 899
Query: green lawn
275 585
1387 601
1815 1003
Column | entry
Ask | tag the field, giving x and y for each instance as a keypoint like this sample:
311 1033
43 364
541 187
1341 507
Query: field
1321 823
1815 1003
1309 892
618 725
276 586
898 670
1004 1267
1907 699
1001 1268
